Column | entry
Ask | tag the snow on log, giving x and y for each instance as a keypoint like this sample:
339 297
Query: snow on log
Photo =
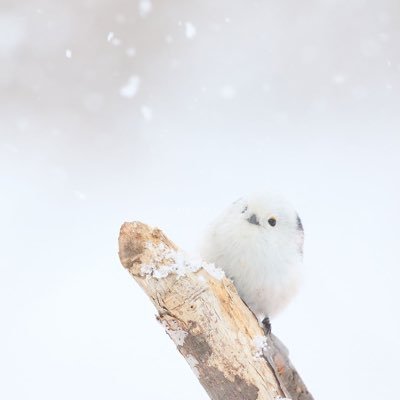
212 328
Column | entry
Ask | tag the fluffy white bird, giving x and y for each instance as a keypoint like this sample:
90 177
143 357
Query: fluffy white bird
258 242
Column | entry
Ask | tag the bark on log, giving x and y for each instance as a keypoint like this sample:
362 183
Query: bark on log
212 328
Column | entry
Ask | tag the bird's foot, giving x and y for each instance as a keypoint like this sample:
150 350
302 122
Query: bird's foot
266 325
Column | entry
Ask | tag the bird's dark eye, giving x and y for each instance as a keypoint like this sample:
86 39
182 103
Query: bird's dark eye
244 210
272 221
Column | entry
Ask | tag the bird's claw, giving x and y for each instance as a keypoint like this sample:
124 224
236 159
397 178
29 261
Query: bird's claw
266 325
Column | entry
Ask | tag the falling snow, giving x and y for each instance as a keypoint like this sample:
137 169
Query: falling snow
130 52
110 36
131 88
145 7
190 30
309 89
116 42
147 113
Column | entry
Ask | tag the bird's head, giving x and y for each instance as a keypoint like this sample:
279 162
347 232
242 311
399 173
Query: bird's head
271 216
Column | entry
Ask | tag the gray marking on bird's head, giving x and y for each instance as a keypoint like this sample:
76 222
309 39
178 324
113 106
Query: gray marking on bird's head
299 224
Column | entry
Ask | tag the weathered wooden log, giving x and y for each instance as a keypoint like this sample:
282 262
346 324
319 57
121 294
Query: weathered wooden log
212 328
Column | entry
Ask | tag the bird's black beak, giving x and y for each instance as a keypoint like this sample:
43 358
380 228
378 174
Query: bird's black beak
253 220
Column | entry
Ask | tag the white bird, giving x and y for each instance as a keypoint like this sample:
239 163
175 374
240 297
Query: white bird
258 242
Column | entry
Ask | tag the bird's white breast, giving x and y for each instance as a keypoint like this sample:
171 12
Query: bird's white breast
266 272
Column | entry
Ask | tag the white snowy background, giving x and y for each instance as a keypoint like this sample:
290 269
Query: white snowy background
166 112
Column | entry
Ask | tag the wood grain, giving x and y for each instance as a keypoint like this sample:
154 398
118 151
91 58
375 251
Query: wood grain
208 322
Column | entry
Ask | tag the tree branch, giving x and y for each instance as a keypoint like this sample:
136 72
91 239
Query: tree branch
211 326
